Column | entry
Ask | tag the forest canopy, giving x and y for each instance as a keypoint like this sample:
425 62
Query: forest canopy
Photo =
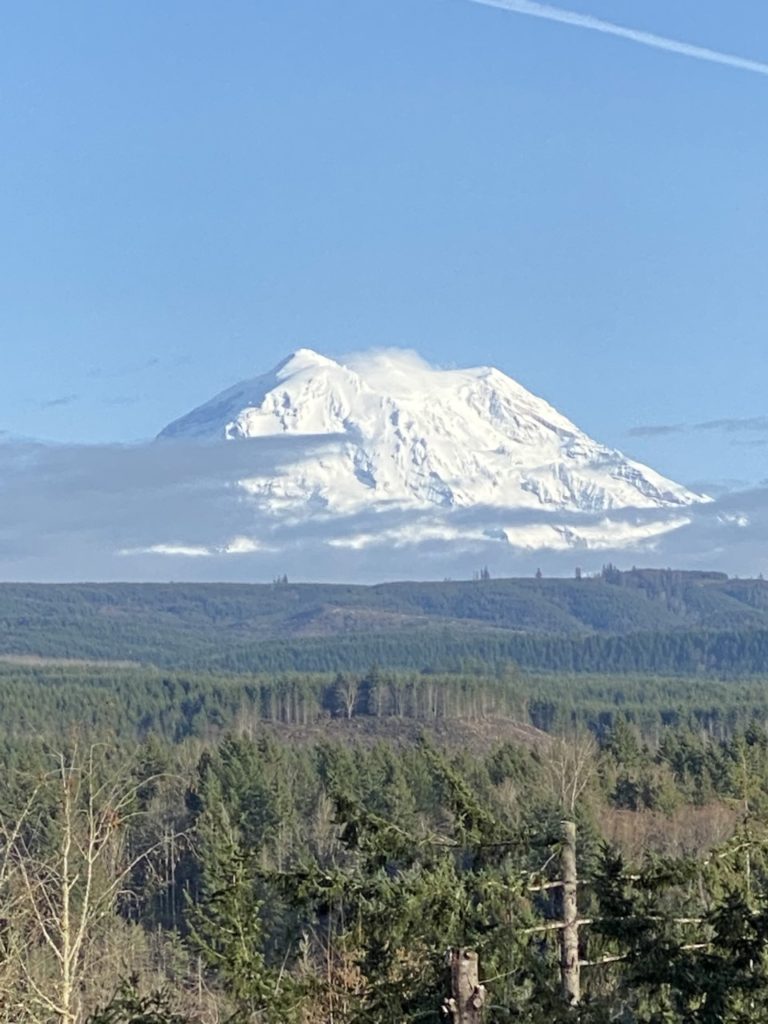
211 814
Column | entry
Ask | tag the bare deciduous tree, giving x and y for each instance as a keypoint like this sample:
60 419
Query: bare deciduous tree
571 764
66 859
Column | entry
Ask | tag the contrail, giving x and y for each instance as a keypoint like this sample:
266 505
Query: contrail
538 10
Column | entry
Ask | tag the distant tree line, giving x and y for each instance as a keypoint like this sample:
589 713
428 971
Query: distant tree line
660 621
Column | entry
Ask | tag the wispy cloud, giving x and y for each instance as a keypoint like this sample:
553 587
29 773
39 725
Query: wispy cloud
656 430
130 369
735 424
55 403
727 425
124 369
565 17
173 550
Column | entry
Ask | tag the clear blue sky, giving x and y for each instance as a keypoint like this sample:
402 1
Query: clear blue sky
190 190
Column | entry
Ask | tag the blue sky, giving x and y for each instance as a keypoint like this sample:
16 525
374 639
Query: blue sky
189 191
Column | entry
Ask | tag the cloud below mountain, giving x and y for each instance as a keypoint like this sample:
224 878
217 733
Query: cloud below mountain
158 512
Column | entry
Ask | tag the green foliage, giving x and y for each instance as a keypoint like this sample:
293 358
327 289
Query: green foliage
640 621
138 702
225 917
127 1006
329 857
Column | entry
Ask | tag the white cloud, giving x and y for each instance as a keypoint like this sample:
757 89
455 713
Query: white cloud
386 359
172 550
246 546
157 511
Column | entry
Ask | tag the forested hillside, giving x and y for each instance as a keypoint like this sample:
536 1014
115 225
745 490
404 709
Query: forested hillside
134 702
639 621
264 875
216 816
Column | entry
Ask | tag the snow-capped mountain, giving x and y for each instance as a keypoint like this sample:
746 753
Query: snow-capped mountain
386 431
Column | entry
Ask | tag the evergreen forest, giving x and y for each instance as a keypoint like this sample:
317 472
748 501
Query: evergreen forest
647 621
191 833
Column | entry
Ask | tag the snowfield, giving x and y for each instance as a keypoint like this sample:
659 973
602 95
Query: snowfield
386 431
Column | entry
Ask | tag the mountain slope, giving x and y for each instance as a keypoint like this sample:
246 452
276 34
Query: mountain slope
639 620
387 431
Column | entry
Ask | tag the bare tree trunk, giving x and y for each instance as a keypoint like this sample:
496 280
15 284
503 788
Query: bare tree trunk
569 936
66 883
465 1005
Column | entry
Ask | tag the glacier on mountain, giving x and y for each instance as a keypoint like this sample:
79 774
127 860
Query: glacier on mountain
384 431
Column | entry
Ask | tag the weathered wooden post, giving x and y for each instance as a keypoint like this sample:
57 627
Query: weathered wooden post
570 972
465 1004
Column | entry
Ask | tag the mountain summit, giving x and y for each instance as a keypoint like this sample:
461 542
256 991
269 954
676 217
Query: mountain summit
384 429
